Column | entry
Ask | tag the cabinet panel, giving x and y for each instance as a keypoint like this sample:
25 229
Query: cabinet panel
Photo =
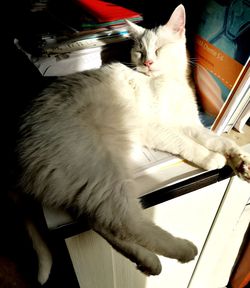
92 259
191 217
210 266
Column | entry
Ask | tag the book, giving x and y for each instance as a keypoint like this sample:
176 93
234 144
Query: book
105 12
222 49
237 101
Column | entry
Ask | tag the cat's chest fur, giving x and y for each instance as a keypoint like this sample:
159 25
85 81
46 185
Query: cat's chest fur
160 100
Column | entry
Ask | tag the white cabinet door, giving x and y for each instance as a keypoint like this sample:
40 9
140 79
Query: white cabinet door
211 272
191 217
97 265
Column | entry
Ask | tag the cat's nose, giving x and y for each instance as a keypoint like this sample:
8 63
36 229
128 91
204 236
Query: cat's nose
148 63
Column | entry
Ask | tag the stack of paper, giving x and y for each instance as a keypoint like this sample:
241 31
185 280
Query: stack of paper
102 23
101 27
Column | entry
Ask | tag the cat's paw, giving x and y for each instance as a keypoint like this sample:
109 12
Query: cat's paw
186 251
150 266
214 161
240 163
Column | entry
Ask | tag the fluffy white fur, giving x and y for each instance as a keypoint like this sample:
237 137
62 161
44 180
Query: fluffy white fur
77 139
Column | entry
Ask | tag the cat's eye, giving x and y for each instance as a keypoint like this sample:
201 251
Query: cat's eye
139 45
157 51
138 54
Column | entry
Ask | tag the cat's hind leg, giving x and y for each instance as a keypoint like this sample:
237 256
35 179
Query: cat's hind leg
128 230
146 261
151 236
238 159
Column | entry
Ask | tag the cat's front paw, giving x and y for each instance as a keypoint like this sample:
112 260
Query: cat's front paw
186 251
240 163
214 161
150 266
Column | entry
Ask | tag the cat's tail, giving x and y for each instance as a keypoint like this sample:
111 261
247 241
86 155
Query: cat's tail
43 254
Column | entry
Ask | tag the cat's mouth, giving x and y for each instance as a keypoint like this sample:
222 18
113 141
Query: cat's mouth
146 71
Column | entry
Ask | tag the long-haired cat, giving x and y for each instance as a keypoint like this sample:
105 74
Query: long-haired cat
76 141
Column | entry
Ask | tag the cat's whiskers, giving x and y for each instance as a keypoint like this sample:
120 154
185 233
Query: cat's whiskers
193 62
129 64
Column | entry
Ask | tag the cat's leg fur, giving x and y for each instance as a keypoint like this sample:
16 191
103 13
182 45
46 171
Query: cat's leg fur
174 140
135 236
146 261
236 157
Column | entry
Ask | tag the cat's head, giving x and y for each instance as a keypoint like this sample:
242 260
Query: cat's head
161 50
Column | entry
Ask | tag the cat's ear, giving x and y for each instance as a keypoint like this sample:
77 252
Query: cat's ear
177 20
134 29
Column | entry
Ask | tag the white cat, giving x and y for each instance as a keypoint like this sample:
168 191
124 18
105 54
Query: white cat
76 141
